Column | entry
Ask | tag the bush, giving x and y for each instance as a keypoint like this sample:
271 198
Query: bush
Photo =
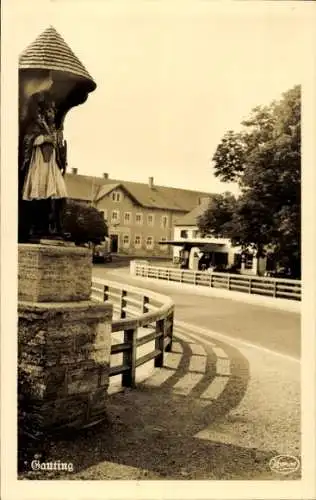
84 223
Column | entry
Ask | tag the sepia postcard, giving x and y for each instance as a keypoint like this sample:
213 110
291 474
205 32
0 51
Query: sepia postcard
158 245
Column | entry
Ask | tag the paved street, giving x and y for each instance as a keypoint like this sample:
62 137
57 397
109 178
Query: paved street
226 401
234 377
270 328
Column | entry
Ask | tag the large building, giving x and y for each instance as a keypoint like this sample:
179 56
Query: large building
222 253
186 234
138 215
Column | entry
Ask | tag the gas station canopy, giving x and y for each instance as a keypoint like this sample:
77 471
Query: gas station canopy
207 245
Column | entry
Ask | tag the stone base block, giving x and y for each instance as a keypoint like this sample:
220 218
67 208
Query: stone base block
54 273
64 362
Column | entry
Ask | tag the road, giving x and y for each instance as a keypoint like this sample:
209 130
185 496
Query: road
232 382
225 402
272 329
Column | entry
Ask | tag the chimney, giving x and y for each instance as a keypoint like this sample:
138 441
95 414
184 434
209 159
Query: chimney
74 170
105 175
151 182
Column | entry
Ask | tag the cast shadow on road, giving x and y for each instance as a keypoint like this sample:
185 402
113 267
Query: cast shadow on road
151 431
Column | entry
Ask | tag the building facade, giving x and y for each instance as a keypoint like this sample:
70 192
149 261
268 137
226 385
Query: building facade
222 253
135 229
138 215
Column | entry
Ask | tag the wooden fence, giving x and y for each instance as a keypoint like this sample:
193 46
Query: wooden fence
141 317
272 287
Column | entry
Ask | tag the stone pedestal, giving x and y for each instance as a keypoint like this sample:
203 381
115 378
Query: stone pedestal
54 273
63 345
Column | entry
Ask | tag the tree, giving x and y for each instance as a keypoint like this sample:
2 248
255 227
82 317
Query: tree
84 223
217 218
229 157
265 159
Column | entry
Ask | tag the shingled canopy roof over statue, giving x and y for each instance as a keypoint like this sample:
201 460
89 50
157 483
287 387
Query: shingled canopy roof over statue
49 51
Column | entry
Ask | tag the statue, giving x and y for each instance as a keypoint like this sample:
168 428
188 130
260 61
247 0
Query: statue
52 80
42 167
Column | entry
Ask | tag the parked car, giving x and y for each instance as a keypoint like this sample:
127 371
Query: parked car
101 252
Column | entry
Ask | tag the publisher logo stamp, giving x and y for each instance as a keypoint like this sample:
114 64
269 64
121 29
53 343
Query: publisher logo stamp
284 464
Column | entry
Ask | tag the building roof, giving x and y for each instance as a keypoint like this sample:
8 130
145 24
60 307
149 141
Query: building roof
190 219
205 243
50 51
106 189
83 187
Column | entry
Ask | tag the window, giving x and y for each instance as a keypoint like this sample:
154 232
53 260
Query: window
127 217
183 233
115 216
139 218
150 219
150 242
164 221
126 240
116 195
195 233
138 241
104 213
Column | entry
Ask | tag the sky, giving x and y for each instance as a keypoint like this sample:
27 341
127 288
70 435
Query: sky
172 78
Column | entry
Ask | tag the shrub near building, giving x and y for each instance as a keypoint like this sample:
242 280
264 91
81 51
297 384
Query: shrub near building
83 223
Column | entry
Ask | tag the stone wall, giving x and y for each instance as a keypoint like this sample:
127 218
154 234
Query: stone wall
64 353
63 347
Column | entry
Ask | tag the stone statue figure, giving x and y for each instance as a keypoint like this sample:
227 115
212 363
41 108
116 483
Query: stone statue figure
43 160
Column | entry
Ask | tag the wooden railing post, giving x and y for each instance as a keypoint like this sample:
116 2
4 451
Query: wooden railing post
133 267
145 304
211 279
105 293
159 342
275 289
145 308
123 304
129 358
170 332
228 282
250 283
